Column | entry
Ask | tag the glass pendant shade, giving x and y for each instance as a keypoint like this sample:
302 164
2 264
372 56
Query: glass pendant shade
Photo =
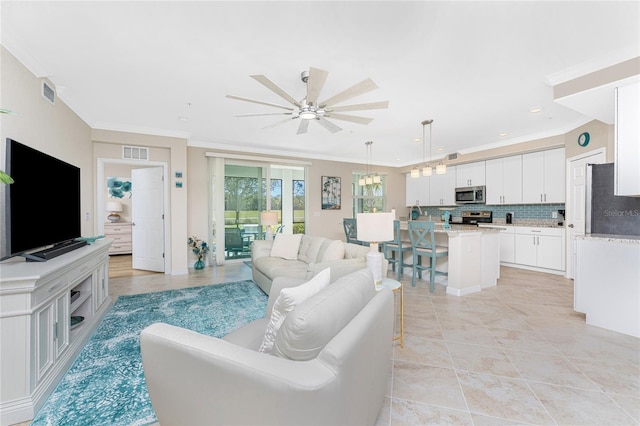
369 180
377 178
415 173
361 181
426 171
441 169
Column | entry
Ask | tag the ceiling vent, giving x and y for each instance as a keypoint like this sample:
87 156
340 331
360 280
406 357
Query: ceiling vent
135 153
452 156
48 92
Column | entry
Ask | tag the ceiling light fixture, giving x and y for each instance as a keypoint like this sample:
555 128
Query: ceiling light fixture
369 178
308 114
535 110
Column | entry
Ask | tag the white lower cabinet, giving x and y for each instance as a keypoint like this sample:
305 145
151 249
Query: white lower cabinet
540 247
508 245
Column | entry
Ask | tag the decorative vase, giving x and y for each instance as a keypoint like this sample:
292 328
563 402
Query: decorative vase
199 264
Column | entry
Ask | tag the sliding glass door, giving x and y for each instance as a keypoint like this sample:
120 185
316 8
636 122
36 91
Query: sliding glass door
247 189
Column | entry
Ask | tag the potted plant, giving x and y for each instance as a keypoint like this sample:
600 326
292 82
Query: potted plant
200 248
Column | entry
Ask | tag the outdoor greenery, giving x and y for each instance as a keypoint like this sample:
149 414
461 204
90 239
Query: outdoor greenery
245 197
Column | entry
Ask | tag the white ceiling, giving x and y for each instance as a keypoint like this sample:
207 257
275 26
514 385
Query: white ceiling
476 68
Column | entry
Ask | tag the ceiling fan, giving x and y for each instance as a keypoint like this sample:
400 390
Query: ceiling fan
309 109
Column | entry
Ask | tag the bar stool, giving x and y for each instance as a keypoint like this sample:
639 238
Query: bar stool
390 248
423 243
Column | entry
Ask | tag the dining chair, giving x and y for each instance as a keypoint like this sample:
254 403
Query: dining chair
394 250
423 243
351 230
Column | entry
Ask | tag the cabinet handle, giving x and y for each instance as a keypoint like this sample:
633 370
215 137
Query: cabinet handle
540 197
534 240
545 197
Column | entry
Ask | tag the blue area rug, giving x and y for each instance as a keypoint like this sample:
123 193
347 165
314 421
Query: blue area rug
106 386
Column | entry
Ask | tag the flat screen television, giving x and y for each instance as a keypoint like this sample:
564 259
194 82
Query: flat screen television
42 206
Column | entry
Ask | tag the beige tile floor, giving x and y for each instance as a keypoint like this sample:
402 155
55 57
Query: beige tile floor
513 354
516 354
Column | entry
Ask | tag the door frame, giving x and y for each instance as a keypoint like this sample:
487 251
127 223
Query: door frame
100 202
570 242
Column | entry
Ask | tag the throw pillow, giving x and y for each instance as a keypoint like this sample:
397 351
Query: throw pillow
333 251
286 246
288 299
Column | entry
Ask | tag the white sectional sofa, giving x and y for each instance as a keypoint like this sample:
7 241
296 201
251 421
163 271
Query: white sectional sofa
303 256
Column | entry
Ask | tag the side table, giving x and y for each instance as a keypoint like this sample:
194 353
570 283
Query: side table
395 286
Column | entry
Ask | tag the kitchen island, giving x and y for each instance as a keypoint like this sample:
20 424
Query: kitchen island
474 257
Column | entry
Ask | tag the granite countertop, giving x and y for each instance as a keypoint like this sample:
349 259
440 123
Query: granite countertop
455 228
629 239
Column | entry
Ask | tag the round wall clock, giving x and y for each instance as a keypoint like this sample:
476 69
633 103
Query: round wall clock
583 139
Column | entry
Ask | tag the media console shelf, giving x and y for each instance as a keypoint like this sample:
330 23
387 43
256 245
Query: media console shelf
48 311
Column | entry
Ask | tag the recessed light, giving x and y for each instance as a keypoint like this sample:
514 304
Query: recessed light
440 149
181 118
535 110
503 134
416 140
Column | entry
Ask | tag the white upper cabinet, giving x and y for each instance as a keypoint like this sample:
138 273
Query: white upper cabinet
543 177
627 140
442 188
504 180
471 174
417 191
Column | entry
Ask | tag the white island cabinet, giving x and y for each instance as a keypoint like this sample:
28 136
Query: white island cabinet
473 261
607 282
48 311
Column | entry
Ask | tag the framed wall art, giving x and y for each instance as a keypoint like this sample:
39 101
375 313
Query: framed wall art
331 193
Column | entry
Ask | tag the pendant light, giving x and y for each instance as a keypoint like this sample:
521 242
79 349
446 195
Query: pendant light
441 168
369 178
426 169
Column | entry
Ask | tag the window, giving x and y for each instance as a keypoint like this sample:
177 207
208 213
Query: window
366 198
298 206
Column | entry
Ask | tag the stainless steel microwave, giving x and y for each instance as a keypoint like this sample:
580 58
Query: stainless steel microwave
470 195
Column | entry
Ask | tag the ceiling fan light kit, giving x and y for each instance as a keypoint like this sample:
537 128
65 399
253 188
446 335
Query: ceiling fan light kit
309 108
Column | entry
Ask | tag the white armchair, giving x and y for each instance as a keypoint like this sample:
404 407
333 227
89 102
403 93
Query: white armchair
195 379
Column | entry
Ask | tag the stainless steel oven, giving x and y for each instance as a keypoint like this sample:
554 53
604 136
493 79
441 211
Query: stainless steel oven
470 195
476 217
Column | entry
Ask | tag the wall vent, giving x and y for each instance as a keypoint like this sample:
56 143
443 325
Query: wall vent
452 156
48 92
135 153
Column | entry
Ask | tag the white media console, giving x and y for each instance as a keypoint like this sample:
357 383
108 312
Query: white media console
38 338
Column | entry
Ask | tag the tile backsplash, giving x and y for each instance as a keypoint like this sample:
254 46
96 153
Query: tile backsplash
520 211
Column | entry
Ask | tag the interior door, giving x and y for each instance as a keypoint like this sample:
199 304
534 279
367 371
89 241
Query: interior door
575 206
147 218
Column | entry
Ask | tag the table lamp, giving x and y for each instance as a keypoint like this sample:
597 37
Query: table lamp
114 207
268 218
375 228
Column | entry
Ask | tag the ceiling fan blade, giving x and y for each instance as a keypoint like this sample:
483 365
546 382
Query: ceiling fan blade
268 113
328 125
315 83
358 107
302 128
352 118
363 87
275 88
277 123
258 102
